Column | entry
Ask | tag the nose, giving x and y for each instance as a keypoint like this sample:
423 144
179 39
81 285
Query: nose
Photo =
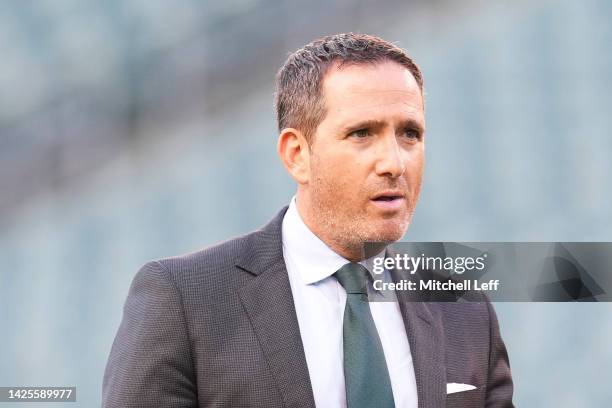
389 162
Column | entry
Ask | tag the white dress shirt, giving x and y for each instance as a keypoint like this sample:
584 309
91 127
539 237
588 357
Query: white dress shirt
319 303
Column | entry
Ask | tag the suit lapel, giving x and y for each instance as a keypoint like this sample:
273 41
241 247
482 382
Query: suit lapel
268 302
427 349
426 338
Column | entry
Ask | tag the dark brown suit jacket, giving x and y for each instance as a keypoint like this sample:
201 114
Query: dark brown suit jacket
218 328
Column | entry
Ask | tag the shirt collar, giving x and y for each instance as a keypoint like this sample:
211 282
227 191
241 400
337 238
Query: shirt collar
315 260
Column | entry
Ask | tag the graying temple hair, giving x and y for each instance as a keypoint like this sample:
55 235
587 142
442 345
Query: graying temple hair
298 98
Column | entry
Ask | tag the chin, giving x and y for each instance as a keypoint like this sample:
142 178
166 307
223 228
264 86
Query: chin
389 231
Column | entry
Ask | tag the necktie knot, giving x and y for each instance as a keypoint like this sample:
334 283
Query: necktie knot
353 277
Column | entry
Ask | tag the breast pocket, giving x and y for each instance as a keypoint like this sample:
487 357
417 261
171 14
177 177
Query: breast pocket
465 399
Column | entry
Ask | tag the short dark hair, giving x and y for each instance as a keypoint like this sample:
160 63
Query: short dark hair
299 100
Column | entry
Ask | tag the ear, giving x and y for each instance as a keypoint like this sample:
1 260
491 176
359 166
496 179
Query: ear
294 152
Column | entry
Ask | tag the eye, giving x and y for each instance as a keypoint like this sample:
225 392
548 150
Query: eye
412 134
360 133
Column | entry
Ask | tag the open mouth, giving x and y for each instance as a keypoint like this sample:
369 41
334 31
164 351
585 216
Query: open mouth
388 201
387 198
388 195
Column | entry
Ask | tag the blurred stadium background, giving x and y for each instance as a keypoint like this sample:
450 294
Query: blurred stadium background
134 130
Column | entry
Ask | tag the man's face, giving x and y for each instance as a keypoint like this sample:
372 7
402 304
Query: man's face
366 159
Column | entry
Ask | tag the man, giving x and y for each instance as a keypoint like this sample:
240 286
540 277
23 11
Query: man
276 318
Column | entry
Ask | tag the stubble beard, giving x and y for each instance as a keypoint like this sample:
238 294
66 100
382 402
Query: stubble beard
351 230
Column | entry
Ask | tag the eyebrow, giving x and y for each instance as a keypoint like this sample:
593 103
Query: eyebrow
375 123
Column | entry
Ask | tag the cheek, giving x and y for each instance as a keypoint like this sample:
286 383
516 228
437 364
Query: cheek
415 165
333 181
337 185
340 170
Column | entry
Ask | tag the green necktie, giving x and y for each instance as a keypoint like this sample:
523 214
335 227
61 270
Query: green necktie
365 370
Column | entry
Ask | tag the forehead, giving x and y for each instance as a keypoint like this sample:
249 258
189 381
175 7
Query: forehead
363 89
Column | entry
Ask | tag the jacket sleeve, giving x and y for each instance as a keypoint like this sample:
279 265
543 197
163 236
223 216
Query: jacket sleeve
150 363
499 384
